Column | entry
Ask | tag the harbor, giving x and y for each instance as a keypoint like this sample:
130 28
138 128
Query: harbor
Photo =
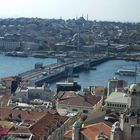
103 72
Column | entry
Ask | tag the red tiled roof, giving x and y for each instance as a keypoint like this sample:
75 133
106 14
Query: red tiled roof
91 131
43 123
25 115
47 125
94 130
79 100
68 94
4 131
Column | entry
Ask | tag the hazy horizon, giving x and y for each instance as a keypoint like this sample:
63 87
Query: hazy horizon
100 10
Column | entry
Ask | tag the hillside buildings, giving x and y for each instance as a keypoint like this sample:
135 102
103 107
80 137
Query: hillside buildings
77 103
26 93
126 126
33 124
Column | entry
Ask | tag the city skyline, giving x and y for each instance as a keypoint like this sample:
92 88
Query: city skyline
100 10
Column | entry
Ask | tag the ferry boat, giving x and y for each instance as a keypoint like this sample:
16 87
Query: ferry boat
126 72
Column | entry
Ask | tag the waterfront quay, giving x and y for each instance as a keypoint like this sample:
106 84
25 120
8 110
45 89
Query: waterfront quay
53 72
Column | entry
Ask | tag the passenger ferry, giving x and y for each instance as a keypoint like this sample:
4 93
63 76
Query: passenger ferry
126 72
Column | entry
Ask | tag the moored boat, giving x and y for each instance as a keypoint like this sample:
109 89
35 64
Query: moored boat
126 72
16 54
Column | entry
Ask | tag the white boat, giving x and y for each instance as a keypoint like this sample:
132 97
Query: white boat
126 72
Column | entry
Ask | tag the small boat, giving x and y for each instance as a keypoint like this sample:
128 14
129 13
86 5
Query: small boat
10 54
126 72
21 54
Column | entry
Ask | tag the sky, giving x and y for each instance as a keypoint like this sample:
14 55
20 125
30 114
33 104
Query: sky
100 10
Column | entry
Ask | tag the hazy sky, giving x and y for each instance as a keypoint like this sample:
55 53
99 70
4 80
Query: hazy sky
112 10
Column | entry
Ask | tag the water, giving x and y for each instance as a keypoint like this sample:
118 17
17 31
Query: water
10 66
104 72
15 65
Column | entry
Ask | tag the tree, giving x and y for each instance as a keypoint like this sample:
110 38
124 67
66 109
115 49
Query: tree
105 91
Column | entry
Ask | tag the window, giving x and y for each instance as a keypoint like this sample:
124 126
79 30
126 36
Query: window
74 110
85 111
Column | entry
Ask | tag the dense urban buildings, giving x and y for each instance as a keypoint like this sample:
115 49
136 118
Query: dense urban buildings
31 110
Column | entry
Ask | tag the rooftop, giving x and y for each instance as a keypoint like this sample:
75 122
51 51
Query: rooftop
53 121
33 122
8 78
4 131
91 131
66 94
97 118
79 100
94 130
118 97
23 115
